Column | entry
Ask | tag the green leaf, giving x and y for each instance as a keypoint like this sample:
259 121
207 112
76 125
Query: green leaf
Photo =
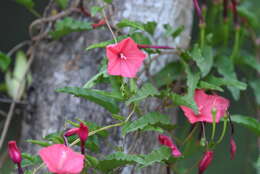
249 122
183 101
169 31
55 138
93 95
203 59
105 43
118 117
146 90
133 24
38 142
158 155
251 61
249 15
209 86
95 9
29 160
91 161
218 81
118 159
4 61
29 4
172 71
226 68
69 25
108 1
15 79
140 38
150 27
95 79
62 3
255 85
151 119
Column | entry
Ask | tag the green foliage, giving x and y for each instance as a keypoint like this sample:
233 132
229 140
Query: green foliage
38 142
105 43
150 27
147 90
171 72
118 159
95 9
209 86
15 79
158 155
249 122
169 31
97 96
30 160
133 24
153 119
203 59
69 25
255 85
62 3
4 61
29 4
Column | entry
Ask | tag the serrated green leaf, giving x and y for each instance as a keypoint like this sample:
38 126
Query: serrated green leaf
55 138
249 122
157 156
172 71
4 61
150 119
140 38
29 160
147 90
95 79
133 24
118 159
38 142
69 25
255 85
105 43
150 27
93 95
209 86
203 59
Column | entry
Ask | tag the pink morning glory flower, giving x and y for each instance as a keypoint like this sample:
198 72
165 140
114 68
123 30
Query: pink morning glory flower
61 159
124 58
206 104
164 140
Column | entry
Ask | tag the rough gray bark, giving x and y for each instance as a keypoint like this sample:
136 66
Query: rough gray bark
65 63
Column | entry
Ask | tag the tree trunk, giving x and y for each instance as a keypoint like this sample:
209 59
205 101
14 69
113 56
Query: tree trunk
66 63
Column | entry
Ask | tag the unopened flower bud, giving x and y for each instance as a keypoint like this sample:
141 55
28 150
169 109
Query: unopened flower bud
164 140
233 148
71 132
14 152
83 132
205 162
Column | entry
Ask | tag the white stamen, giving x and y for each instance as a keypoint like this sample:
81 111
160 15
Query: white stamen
122 56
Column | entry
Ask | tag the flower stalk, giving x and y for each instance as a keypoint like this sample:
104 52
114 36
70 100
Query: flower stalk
223 130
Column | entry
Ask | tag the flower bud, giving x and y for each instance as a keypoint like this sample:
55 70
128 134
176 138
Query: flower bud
233 148
164 140
71 132
83 132
14 152
205 162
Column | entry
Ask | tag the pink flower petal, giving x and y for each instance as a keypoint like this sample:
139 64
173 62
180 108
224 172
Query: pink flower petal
61 159
164 140
124 58
206 103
